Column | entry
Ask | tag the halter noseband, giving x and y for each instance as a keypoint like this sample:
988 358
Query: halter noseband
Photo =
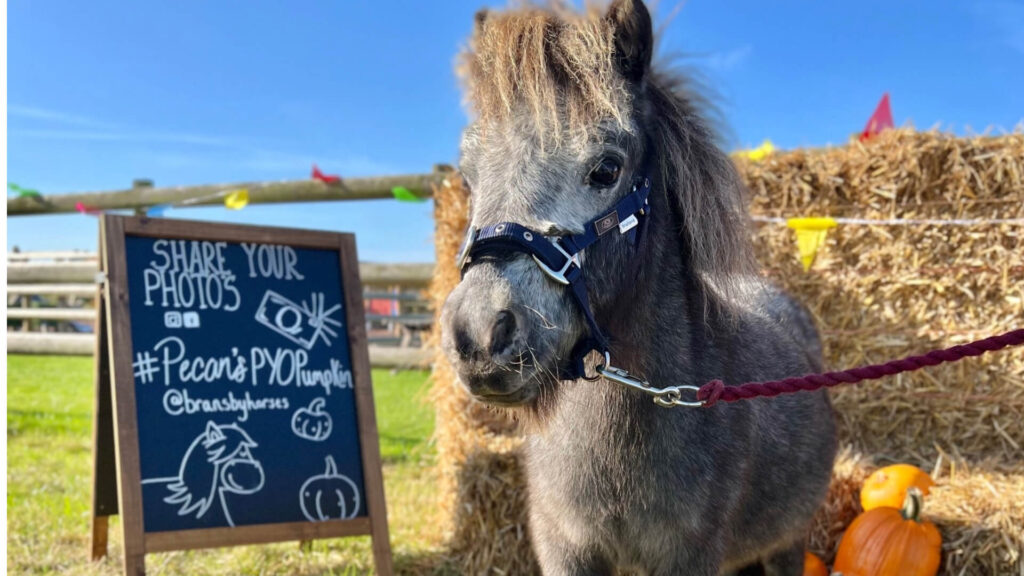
557 257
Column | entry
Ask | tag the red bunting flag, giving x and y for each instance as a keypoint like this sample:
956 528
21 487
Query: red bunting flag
880 120
325 178
87 210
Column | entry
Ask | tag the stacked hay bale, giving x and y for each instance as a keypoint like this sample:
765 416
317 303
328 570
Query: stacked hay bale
878 291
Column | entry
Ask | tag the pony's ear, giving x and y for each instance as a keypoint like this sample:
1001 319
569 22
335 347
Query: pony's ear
634 37
213 433
478 20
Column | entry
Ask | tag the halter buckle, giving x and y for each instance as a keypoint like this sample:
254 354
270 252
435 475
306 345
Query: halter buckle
669 397
467 245
558 275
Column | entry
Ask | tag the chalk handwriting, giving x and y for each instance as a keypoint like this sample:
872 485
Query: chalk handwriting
178 402
190 274
287 367
171 351
272 261
273 366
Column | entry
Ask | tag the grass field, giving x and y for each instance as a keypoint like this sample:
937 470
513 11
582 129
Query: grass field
49 438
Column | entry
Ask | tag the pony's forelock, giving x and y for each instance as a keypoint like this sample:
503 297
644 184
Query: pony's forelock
552 62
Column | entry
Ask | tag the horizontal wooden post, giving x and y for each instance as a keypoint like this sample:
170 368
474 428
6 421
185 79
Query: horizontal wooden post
402 296
64 255
377 187
50 343
409 275
83 345
51 272
372 273
408 319
82 290
69 314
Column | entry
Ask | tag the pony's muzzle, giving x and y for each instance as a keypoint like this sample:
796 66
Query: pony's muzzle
487 343
488 338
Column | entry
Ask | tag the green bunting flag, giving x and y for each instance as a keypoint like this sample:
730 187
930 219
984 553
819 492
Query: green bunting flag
403 194
22 191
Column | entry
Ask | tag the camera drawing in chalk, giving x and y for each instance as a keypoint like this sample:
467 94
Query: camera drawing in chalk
303 323
312 422
329 496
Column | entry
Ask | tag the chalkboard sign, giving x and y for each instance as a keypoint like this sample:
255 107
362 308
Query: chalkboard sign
241 399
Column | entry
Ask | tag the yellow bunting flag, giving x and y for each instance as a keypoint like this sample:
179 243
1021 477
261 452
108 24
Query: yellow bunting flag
237 199
810 235
761 152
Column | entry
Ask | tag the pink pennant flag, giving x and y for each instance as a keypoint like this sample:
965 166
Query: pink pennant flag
880 119
325 178
87 210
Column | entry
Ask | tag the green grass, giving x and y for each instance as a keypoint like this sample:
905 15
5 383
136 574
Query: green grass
49 443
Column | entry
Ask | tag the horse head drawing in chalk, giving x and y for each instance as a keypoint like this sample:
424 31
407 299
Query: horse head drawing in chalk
218 462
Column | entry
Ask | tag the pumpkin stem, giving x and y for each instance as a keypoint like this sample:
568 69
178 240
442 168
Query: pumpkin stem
332 468
912 504
317 405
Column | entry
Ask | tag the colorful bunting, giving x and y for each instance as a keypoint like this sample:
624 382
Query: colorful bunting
237 199
82 208
810 235
757 154
761 152
403 194
22 191
880 119
325 178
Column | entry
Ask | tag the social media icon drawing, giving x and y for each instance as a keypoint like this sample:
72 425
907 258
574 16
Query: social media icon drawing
191 319
172 319
304 323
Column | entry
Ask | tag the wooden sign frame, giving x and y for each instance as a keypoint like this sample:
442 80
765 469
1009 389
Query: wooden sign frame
115 428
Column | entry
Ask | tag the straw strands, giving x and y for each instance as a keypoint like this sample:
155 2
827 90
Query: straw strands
878 290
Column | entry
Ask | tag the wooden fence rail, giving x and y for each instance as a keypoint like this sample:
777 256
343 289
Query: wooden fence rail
142 197
71 277
372 273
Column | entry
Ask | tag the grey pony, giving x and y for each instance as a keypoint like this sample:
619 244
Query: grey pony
568 108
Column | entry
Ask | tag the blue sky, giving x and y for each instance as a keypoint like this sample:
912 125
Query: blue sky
194 92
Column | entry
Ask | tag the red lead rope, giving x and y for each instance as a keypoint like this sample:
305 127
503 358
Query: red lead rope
716 390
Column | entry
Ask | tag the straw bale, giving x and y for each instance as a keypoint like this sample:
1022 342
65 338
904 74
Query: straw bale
490 519
878 292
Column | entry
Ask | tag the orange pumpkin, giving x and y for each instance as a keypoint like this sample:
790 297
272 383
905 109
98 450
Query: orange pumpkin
888 486
891 542
813 566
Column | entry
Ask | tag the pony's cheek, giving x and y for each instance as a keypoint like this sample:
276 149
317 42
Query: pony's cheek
243 476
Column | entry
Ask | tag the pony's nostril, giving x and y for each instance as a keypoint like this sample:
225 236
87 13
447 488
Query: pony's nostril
503 332
464 343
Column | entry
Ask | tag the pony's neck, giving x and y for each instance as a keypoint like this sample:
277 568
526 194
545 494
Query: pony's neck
654 319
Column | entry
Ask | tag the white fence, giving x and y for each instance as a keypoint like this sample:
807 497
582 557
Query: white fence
51 307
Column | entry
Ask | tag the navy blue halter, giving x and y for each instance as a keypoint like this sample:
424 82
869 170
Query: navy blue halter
557 257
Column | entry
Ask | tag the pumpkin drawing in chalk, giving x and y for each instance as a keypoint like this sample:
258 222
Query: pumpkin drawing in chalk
329 496
891 542
888 486
311 422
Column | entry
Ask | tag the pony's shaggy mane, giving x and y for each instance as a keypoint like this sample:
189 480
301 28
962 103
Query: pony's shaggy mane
552 61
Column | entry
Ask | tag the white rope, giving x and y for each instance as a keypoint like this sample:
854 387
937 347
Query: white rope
903 222
201 198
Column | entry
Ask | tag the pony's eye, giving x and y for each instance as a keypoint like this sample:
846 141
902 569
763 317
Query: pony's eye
605 174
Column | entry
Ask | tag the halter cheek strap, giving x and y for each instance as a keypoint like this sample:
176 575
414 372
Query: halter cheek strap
558 258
